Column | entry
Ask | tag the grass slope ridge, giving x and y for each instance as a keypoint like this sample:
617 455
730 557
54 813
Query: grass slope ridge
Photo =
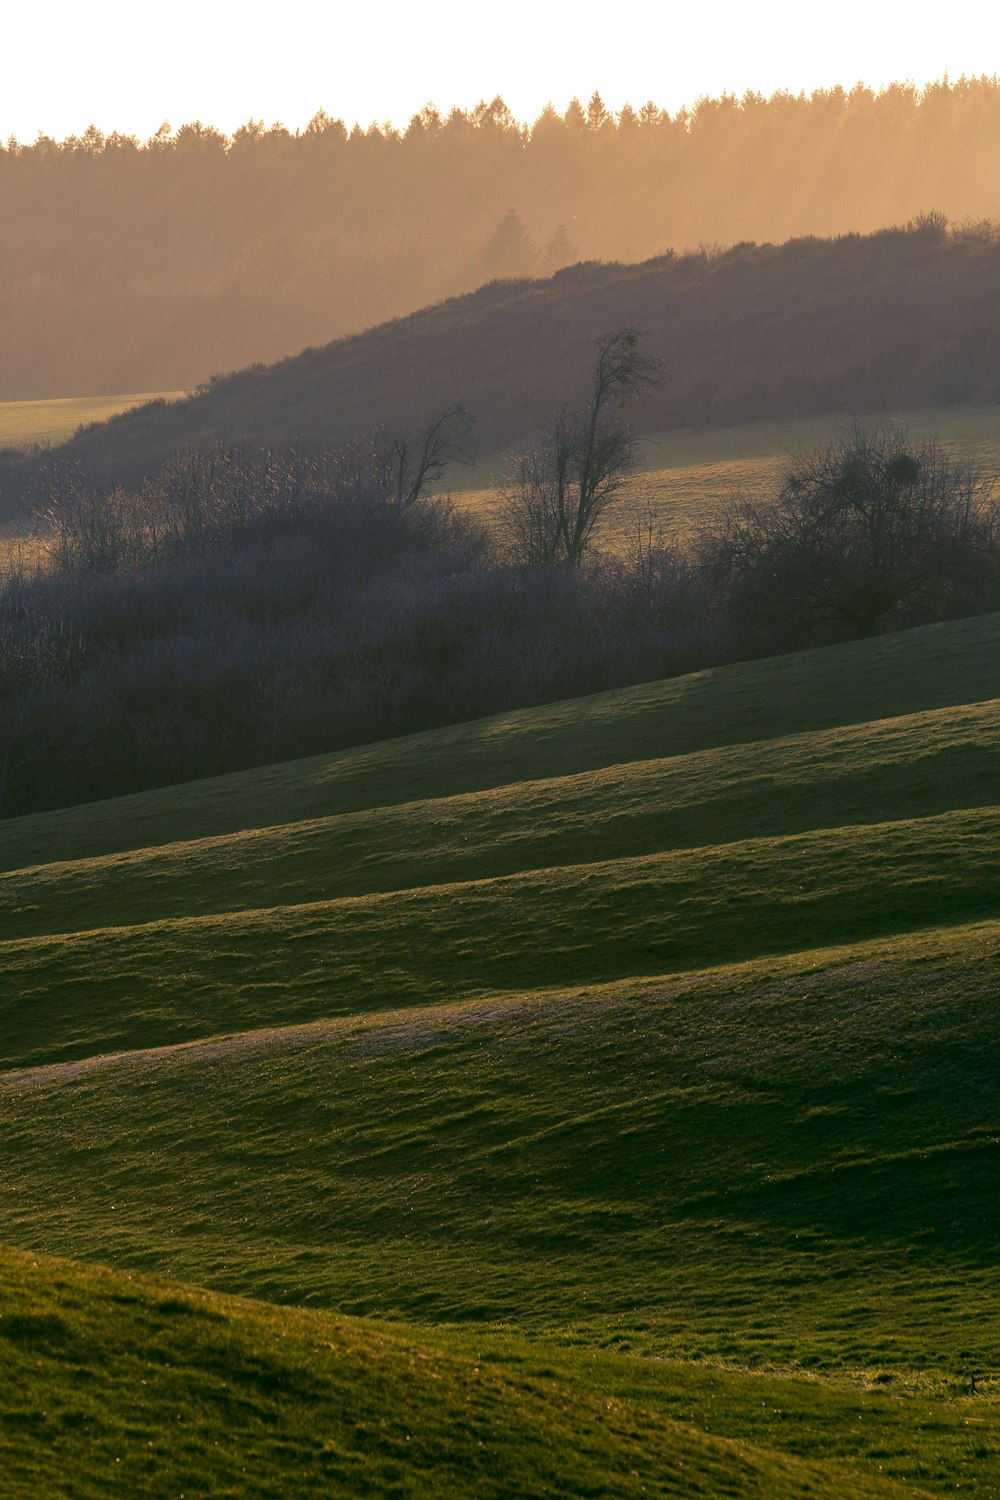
917 765
938 666
787 1162
70 995
514 350
119 1386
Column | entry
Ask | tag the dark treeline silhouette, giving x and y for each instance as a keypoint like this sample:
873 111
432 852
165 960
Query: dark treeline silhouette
252 606
149 266
902 317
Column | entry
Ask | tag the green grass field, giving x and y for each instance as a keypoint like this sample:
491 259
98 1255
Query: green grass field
25 423
115 1385
598 1099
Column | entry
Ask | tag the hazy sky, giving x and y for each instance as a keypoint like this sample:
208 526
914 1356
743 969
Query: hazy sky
131 66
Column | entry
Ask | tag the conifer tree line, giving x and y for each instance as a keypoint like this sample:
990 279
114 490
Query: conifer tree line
128 265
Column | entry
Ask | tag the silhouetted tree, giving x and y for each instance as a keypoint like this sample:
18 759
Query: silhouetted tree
599 116
396 469
562 485
558 251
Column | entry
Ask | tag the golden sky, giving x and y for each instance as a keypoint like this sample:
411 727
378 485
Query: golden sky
132 66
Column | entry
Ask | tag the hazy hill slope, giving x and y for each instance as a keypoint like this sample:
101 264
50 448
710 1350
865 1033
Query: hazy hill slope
908 672
141 266
893 319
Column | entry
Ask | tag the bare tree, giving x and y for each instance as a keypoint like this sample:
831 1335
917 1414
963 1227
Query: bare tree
91 525
642 539
509 253
562 484
395 470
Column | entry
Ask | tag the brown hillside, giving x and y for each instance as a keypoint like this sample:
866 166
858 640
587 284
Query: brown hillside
901 317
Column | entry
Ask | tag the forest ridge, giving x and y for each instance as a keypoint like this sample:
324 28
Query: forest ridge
138 266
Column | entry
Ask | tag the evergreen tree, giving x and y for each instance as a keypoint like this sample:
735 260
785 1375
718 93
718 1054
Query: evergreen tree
559 251
509 253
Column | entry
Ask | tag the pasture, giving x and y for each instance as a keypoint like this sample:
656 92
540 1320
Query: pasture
24 424
684 473
595 1099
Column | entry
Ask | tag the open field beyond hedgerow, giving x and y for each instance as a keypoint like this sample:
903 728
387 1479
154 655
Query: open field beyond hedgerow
683 473
23 423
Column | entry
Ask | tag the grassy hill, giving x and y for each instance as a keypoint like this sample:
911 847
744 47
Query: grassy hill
900 318
642 1044
890 676
686 473
118 1385
23 423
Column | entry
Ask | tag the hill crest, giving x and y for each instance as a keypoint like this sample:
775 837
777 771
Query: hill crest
897 318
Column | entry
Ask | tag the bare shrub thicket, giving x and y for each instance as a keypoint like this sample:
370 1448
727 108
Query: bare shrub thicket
249 607
873 529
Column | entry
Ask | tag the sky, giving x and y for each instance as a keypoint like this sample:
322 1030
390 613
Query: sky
131 67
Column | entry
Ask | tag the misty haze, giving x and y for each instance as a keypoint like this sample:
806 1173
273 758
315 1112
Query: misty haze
499 750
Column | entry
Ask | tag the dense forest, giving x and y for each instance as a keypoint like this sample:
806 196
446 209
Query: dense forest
128 265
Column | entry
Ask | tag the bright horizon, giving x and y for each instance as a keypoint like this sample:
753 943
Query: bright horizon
125 69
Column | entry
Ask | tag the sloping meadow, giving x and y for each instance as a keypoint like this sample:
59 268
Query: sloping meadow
119 1385
657 1025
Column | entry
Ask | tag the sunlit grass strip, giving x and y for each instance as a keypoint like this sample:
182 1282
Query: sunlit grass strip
920 764
23 423
912 671
166 981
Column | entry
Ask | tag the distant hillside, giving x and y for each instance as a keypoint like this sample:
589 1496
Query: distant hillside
144 266
902 317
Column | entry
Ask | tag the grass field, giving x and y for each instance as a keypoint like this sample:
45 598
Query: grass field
27 424
685 473
24 423
626 1066
115 1385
